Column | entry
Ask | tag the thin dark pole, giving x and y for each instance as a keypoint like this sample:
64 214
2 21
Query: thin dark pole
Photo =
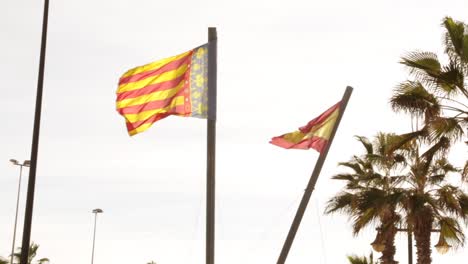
94 237
16 215
310 186
410 247
35 143
211 146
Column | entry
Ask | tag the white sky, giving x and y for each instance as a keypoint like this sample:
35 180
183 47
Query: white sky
279 65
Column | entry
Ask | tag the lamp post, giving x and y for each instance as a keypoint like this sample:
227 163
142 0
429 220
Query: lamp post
25 164
95 212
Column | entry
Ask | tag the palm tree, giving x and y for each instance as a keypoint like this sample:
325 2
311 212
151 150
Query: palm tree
369 196
402 186
438 94
3 260
354 259
428 201
32 254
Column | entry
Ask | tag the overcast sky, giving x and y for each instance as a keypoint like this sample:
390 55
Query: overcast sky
280 64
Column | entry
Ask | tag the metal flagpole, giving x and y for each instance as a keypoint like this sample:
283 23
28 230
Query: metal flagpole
312 181
35 143
211 146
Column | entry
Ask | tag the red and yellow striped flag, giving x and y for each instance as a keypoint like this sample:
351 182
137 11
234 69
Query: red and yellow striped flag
173 86
315 134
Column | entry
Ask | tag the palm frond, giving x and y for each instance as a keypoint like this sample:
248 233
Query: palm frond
450 81
397 198
342 202
463 201
406 141
421 63
366 143
436 179
382 142
372 179
33 248
355 259
371 197
354 166
456 40
418 203
441 148
363 219
444 166
43 260
363 162
378 161
445 127
397 180
448 200
413 98
344 177
465 172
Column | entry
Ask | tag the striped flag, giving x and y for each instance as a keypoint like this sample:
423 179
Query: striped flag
315 134
173 86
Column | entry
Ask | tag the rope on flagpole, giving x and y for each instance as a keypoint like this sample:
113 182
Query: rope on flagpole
197 229
321 232
275 220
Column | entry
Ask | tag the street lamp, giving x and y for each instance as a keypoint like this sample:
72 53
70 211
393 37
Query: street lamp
442 246
95 212
26 163
378 244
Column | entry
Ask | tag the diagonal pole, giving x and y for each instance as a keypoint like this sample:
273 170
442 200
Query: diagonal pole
211 146
313 179
35 143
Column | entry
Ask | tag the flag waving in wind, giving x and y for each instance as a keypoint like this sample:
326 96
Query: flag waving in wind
315 134
173 86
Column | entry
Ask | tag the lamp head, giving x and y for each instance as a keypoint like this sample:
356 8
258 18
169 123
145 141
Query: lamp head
97 211
378 247
27 163
442 246
378 244
15 162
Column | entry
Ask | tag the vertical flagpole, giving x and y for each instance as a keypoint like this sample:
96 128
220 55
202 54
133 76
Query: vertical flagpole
211 145
312 181
35 143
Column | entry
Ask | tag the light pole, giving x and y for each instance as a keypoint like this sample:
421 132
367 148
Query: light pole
95 212
25 164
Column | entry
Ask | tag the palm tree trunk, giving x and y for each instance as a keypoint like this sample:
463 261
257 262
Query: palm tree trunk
389 230
388 254
422 235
